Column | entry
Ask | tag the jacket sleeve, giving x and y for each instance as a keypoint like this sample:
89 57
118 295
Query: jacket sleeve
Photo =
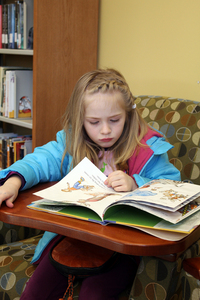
43 165
158 167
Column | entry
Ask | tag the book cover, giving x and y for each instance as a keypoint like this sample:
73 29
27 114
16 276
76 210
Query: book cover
10 104
83 194
24 93
3 70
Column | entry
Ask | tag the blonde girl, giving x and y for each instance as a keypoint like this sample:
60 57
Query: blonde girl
102 123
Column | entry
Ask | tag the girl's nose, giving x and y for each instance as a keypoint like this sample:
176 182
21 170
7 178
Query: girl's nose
105 129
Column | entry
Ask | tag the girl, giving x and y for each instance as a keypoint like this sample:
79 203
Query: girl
103 124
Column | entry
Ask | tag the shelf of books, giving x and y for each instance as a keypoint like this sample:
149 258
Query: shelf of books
43 35
13 147
16 80
16 25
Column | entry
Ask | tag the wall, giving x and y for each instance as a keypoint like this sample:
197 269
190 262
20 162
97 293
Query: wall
154 43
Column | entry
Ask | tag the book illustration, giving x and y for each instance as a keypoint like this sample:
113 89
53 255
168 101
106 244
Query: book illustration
188 208
77 186
24 107
173 195
167 194
162 193
94 197
142 193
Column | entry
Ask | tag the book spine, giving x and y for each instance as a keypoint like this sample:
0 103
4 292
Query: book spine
11 26
24 25
7 93
16 24
0 26
12 95
19 24
3 95
21 29
8 154
11 152
4 153
5 26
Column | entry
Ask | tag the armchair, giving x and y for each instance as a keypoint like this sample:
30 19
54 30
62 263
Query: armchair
157 277
163 277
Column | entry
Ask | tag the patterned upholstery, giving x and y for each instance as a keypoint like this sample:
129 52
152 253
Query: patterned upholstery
156 278
12 233
179 120
165 280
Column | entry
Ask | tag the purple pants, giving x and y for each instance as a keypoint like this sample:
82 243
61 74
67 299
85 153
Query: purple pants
47 283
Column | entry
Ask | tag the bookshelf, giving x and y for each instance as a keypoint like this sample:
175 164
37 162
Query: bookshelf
65 47
16 52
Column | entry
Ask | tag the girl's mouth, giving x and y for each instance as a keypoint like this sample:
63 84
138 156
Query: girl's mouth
106 140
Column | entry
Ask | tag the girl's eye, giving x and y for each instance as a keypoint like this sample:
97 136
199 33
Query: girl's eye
114 120
94 123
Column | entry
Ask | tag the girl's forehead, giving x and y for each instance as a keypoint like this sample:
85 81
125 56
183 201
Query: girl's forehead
110 97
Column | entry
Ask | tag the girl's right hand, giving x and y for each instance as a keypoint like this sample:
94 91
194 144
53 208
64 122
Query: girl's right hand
9 190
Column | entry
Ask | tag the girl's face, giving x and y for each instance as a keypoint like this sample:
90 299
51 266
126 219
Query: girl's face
104 117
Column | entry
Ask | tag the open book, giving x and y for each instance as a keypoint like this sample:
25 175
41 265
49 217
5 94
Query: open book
165 208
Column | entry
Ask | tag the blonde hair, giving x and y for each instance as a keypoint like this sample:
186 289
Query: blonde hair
78 144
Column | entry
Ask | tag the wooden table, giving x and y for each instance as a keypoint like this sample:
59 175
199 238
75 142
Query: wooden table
119 238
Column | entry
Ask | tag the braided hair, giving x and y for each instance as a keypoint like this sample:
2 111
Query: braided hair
78 144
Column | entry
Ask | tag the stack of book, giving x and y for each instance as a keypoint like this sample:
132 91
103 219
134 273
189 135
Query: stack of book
13 147
164 208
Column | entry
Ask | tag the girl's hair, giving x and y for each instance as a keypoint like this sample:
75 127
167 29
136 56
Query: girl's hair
78 144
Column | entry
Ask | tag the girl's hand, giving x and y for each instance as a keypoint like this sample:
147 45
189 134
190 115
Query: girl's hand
9 190
120 182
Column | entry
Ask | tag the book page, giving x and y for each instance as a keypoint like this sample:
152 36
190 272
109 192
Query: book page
164 193
165 235
83 186
171 216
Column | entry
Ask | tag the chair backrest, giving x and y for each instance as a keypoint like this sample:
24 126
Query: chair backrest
179 121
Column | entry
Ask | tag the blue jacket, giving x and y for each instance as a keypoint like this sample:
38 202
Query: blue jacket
44 165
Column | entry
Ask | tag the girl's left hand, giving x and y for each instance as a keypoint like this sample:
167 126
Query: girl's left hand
120 181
